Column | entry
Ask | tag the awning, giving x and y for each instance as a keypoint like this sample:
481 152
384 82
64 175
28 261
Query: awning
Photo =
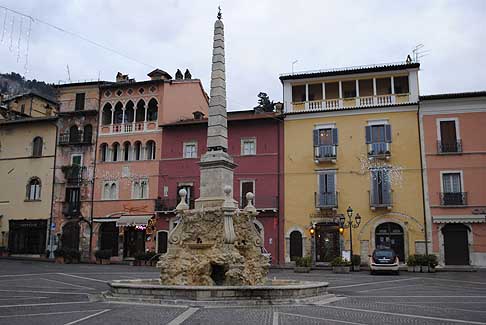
105 219
459 219
133 220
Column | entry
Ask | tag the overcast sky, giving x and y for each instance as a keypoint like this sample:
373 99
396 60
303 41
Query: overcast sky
262 37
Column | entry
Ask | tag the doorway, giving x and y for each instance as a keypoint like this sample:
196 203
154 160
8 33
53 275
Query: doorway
70 236
295 245
134 242
327 242
27 236
390 235
456 247
109 237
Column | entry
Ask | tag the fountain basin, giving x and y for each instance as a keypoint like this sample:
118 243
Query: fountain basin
272 292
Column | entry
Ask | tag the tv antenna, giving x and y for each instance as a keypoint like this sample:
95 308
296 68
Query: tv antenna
419 52
68 72
293 63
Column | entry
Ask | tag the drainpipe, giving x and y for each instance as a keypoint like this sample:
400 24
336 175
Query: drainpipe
49 241
91 224
426 235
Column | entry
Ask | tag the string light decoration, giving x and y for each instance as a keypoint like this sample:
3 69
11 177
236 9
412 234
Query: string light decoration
390 173
29 31
11 33
4 29
19 39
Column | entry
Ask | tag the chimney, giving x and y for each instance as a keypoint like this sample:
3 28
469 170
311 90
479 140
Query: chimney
198 115
179 75
158 74
120 77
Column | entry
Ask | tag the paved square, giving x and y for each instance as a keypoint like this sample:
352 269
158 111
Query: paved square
46 293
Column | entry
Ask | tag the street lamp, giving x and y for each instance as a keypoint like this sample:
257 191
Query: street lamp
350 223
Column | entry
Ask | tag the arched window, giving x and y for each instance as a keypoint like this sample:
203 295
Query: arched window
113 194
115 151
34 189
103 152
295 245
152 110
150 149
140 115
88 133
137 150
106 191
118 114
106 115
73 134
37 147
127 147
129 112
144 189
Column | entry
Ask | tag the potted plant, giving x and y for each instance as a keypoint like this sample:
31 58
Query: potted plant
432 262
59 255
418 262
411 263
3 251
303 264
150 258
356 261
140 259
103 256
340 265
72 256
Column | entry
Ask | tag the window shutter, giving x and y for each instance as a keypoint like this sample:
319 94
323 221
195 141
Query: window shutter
334 137
388 134
331 184
316 137
386 187
374 186
368 133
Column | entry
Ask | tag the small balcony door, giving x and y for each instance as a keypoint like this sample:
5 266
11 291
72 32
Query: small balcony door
448 136
246 186
327 190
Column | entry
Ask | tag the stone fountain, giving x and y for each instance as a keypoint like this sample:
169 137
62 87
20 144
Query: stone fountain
215 251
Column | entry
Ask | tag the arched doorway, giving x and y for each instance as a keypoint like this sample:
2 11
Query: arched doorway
456 247
295 245
70 236
390 235
162 241
327 242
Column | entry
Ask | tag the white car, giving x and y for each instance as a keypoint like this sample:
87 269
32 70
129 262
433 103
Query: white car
385 260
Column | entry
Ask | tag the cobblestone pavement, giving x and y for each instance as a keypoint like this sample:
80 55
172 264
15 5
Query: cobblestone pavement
46 293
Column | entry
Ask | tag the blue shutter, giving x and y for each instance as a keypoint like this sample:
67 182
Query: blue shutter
374 186
331 189
316 137
334 137
386 187
388 134
368 134
322 189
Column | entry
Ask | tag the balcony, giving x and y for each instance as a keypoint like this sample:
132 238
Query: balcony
325 153
169 205
261 202
328 200
74 174
71 209
75 139
131 127
381 200
453 198
379 150
449 148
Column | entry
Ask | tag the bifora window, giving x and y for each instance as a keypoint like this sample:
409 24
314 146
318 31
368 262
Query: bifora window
34 189
190 150
248 146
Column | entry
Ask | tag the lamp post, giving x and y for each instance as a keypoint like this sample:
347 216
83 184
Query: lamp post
350 223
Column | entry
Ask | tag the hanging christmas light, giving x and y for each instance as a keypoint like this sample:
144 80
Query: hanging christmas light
4 29
19 39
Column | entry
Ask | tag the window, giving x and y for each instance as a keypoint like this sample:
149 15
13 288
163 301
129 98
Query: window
118 113
106 115
332 90
140 189
245 187
126 151
79 103
452 189
378 137
190 193
190 150
22 108
365 87
140 113
150 150
129 112
349 89
34 189
448 136
315 91
115 151
74 136
326 194
380 188
152 110
73 198
110 190
87 135
37 147
137 150
325 142
77 159
248 147
104 152
383 86
298 93
401 85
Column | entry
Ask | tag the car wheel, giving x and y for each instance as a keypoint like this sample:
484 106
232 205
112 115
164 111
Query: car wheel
372 272
397 272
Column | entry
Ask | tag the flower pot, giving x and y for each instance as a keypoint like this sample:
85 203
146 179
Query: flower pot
341 269
416 268
60 260
105 261
302 269
410 268
356 268
424 269
432 269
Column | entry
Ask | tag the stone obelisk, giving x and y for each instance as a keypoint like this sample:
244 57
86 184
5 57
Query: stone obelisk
216 164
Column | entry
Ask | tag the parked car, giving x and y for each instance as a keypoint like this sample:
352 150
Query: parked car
267 254
384 260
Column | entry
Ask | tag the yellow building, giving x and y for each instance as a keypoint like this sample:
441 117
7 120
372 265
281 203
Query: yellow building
27 152
351 140
29 104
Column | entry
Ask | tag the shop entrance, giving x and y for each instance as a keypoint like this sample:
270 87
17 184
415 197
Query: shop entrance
27 236
456 248
390 235
134 242
327 242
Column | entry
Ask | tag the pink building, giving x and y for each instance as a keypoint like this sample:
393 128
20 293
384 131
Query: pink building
128 151
253 142
454 160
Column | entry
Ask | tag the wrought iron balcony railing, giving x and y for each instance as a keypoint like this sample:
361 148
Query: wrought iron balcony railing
71 209
453 198
78 138
261 202
74 174
379 149
167 205
325 152
326 200
381 199
449 147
